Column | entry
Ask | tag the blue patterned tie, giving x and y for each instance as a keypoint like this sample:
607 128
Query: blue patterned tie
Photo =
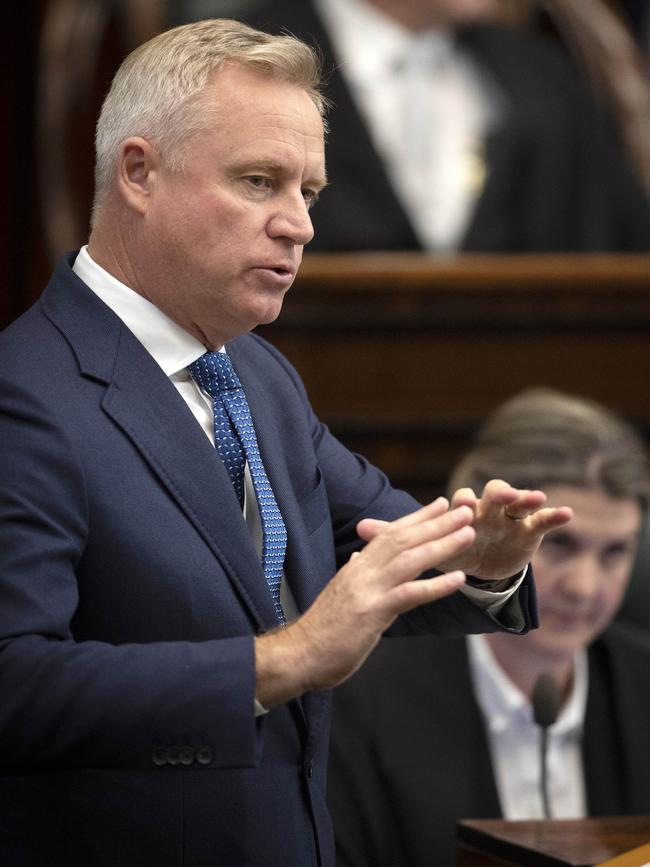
234 437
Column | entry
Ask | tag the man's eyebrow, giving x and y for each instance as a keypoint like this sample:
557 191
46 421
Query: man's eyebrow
261 165
275 167
320 183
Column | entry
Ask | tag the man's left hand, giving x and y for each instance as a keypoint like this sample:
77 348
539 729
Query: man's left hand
510 524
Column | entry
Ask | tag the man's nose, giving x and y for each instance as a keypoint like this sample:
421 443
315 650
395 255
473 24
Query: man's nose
292 221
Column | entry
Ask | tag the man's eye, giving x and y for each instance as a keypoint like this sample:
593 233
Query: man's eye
258 181
310 197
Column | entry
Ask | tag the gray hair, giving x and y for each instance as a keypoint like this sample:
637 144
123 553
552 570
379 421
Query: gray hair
542 438
156 92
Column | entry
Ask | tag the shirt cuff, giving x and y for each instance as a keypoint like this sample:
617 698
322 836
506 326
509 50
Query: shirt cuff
260 710
490 601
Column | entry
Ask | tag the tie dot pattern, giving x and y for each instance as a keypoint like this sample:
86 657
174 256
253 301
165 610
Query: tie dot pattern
236 443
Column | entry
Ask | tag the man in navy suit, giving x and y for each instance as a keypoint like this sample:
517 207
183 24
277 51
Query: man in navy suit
155 709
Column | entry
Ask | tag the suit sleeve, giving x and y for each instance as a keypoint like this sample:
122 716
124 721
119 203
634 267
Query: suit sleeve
89 703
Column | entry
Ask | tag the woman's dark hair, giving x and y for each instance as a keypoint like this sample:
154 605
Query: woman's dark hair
542 438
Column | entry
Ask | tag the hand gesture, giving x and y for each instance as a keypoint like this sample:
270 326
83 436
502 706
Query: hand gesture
509 525
335 635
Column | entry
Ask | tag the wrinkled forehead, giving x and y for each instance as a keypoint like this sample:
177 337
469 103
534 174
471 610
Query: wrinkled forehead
236 81
250 123
236 95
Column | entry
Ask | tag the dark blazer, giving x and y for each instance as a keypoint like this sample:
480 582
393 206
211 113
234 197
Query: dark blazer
130 593
410 757
556 180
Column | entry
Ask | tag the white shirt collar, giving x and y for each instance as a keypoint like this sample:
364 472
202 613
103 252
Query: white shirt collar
370 44
501 702
171 346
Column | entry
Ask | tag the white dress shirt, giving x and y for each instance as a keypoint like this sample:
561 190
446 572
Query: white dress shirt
514 740
428 108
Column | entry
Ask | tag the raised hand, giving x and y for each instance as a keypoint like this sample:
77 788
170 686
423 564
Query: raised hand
335 635
510 524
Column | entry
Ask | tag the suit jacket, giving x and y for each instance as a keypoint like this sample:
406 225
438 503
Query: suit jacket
556 179
130 593
410 756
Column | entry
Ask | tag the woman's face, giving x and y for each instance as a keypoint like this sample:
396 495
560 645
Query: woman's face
582 569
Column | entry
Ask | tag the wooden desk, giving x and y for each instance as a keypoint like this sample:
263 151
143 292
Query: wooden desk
556 843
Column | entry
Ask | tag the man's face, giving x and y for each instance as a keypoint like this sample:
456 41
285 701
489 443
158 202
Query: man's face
582 570
225 236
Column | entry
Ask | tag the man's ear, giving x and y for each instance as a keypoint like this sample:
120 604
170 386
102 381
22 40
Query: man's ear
137 168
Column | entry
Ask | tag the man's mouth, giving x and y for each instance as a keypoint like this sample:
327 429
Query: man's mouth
283 273
283 269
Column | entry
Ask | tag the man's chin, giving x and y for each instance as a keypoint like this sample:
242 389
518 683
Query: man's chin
269 312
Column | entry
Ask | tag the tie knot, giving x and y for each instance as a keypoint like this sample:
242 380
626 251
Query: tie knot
214 373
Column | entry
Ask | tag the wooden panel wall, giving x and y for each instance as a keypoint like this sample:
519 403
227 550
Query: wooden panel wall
403 354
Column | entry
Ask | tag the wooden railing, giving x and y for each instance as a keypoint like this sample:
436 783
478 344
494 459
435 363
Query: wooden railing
403 354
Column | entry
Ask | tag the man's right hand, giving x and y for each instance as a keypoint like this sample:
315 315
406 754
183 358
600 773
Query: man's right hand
331 640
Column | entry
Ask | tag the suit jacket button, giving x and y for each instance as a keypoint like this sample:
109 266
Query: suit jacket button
204 755
187 755
173 756
159 756
309 770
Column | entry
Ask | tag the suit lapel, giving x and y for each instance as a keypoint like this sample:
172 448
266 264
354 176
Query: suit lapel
494 224
150 411
143 402
490 226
